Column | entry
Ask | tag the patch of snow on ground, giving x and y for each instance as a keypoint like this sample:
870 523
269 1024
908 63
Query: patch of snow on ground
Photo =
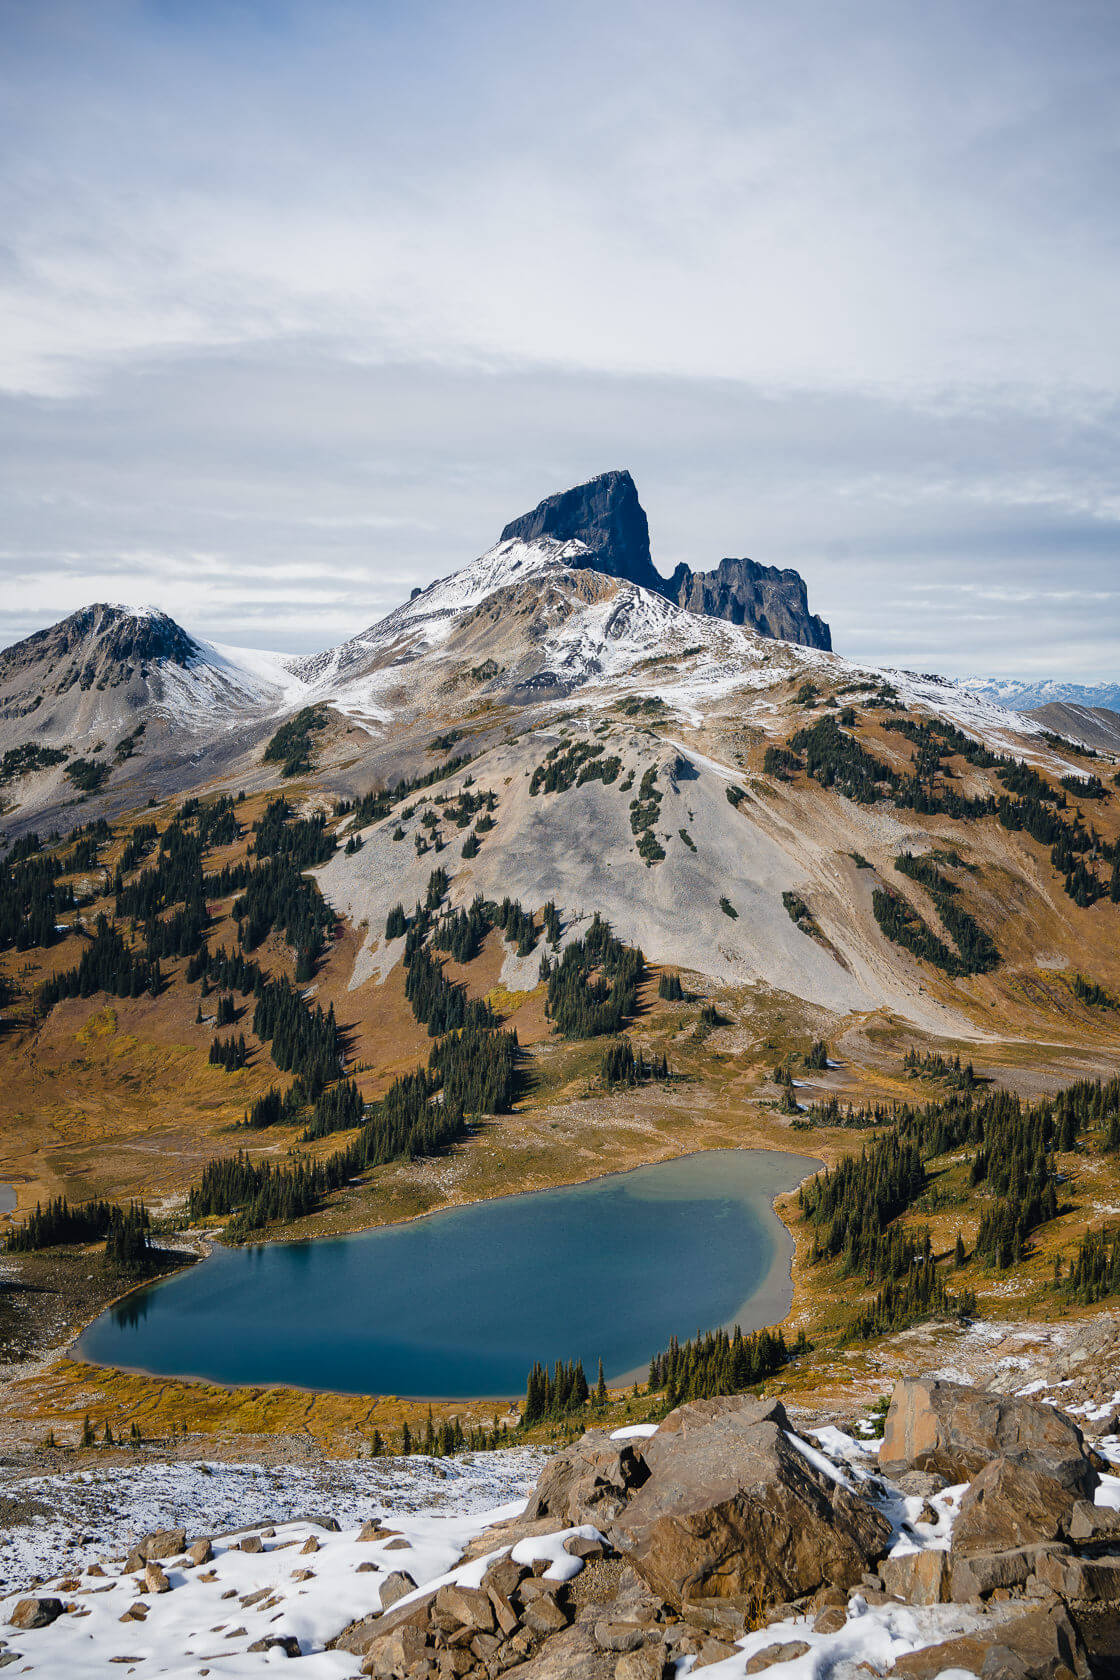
94 1513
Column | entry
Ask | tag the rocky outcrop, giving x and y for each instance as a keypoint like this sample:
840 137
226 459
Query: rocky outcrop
1013 1504
606 516
955 1431
734 1508
589 1483
1041 1645
772 600
727 1526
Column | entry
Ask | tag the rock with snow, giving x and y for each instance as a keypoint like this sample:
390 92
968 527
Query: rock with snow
737 1507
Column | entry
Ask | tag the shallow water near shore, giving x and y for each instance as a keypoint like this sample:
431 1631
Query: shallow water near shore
458 1305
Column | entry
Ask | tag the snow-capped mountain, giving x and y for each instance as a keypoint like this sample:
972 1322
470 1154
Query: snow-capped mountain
1020 695
110 666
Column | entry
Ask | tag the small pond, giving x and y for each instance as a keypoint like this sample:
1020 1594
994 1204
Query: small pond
459 1304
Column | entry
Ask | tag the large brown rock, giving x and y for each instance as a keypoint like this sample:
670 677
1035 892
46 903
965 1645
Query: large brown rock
733 1510
1012 1504
1042 1645
161 1543
589 1483
918 1577
1085 1578
954 1431
1092 1525
35 1612
981 1573
371 1634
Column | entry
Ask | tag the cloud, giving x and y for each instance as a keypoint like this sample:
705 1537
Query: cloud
298 303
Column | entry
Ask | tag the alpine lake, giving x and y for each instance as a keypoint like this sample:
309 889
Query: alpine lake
458 1305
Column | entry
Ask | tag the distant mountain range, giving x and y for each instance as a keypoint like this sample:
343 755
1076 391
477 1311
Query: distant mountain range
1019 695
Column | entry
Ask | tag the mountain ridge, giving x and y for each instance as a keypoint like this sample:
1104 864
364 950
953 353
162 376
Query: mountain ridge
607 517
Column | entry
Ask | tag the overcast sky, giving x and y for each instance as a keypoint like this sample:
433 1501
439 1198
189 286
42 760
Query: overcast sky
299 303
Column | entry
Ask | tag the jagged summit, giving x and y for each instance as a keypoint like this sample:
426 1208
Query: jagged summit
606 516
770 599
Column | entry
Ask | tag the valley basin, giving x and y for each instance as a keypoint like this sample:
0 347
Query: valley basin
457 1305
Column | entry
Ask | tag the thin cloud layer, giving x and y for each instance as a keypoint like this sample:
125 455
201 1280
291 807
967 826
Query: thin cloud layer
299 303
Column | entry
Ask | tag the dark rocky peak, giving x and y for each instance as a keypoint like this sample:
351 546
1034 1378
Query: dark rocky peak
607 516
770 599
102 636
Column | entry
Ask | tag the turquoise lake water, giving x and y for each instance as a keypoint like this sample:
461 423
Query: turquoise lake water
459 1304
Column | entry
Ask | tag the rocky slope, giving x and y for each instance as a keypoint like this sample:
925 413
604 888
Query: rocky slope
113 691
1095 726
980 1537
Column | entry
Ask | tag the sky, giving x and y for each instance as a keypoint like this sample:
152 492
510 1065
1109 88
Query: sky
301 302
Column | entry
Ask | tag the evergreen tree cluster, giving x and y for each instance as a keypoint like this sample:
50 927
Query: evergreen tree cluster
439 1004
570 762
106 965
127 1243
277 895
261 1194
88 775
276 1107
303 1040
32 898
901 924
1089 991
718 1363
550 922
476 1069
832 1112
976 950
137 846
851 1205
304 841
939 1069
781 762
919 1295
27 757
644 812
229 1053
620 1065
230 971
556 1394
461 934
517 926
669 987
339 1108
292 746
593 986
1085 787
60 1222
1095 1271
1015 1162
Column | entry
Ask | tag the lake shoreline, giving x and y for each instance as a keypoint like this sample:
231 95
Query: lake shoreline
766 1305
